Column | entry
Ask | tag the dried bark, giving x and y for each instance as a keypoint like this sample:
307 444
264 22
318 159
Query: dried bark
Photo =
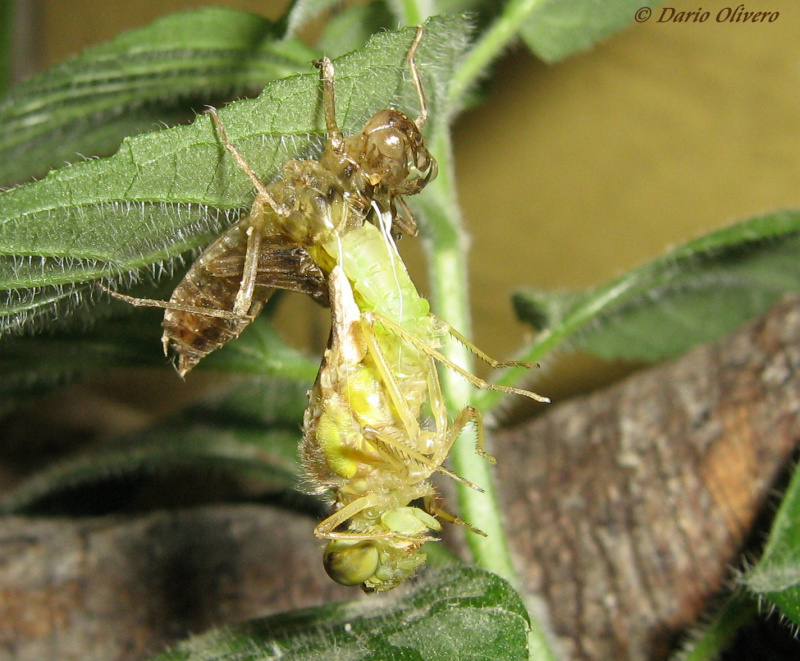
120 589
629 508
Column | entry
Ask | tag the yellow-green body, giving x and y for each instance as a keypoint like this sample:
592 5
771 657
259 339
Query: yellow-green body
364 444
327 224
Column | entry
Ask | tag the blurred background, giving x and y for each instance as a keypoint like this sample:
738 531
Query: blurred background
573 173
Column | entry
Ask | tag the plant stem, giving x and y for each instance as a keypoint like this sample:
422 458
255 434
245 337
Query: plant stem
413 12
447 247
446 244
489 46
739 609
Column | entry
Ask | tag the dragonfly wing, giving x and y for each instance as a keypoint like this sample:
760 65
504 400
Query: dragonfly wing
282 264
213 282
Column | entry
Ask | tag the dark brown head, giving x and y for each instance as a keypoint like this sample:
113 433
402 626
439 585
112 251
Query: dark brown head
394 155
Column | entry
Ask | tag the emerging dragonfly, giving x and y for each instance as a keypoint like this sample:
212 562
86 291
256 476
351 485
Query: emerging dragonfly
366 445
326 229
269 249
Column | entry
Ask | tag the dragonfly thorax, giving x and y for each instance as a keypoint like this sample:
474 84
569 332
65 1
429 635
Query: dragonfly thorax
317 203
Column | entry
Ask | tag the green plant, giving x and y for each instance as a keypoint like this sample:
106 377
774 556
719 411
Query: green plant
163 195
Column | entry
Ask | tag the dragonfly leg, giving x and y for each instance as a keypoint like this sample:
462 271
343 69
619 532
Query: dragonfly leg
255 231
444 360
486 358
169 305
261 189
445 515
451 432
327 528
412 65
445 433
471 414
335 138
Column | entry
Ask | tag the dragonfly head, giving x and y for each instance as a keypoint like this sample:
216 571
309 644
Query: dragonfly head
396 159
351 563
385 559
375 565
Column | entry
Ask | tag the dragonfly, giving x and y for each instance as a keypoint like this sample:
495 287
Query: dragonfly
376 428
270 248
367 445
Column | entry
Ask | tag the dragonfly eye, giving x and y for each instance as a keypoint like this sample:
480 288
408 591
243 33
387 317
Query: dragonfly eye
389 143
351 563
395 154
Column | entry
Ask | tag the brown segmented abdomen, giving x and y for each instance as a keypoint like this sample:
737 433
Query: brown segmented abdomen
213 282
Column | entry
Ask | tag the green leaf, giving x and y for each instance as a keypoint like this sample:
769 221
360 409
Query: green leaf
717 635
168 192
7 24
155 74
454 614
556 29
304 11
776 577
199 449
224 437
693 294
266 402
350 28
32 365
260 351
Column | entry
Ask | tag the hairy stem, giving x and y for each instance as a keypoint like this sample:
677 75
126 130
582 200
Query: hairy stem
738 610
447 245
413 12
489 46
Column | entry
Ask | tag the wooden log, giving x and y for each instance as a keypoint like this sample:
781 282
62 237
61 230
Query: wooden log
628 509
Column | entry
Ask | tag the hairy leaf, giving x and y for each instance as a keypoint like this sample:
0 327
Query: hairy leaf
693 294
777 575
172 453
32 365
156 74
261 352
265 402
224 437
456 613
717 635
556 29
168 192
